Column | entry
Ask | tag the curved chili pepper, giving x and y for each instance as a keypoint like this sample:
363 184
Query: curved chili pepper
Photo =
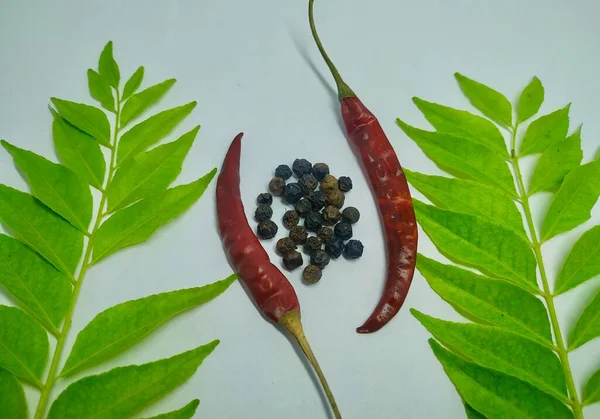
269 288
388 182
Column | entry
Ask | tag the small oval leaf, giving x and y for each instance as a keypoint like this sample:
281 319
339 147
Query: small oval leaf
531 100
587 327
12 397
583 262
108 67
133 83
141 101
545 131
87 118
186 412
100 90
485 99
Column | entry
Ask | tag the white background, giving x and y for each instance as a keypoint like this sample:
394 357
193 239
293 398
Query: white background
252 67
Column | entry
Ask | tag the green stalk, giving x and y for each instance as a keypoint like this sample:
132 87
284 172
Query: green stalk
87 262
535 244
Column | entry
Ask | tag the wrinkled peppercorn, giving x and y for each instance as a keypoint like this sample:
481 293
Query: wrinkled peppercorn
331 215
344 183
317 199
283 171
329 183
290 219
350 215
292 193
285 245
334 248
301 167
313 221
312 274
353 249
263 213
320 170
308 183
343 230
325 234
264 199
319 258
336 198
298 234
292 260
313 243
303 207
276 186
266 229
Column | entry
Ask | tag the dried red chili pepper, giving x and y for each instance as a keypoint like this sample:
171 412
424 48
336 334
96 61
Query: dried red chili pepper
388 182
270 289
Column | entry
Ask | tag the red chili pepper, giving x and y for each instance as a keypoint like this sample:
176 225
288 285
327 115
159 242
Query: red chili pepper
388 182
270 289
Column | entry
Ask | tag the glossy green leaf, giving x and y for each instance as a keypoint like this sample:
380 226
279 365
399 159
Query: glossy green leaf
141 101
100 90
108 67
574 200
39 288
485 99
470 240
56 186
591 391
470 197
583 262
545 131
120 392
497 395
463 158
186 412
150 131
23 345
52 237
133 83
558 160
87 118
587 327
122 326
488 301
472 413
149 173
138 222
531 100
78 151
462 124
12 397
502 351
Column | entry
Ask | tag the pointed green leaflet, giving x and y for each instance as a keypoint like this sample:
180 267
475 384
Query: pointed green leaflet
545 131
108 67
12 398
587 326
87 118
186 412
485 99
531 100
101 91
133 83
583 262
591 391
140 102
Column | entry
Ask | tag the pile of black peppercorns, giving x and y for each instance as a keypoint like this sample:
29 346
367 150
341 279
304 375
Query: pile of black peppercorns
318 198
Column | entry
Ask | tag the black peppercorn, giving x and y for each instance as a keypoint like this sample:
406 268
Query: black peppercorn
343 230
350 215
317 199
277 186
263 213
266 229
329 183
313 221
283 171
308 183
264 199
325 234
344 183
292 260
290 219
336 198
319 258
312 274
298 234
303 207
285 245
301 167
334 248
292 193
353 249
320 170
331 215
313 243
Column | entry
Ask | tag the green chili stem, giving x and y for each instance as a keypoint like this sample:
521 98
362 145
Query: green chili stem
344 91
62 336
547 294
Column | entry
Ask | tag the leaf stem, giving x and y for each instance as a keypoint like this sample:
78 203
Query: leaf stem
563 353
53 375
